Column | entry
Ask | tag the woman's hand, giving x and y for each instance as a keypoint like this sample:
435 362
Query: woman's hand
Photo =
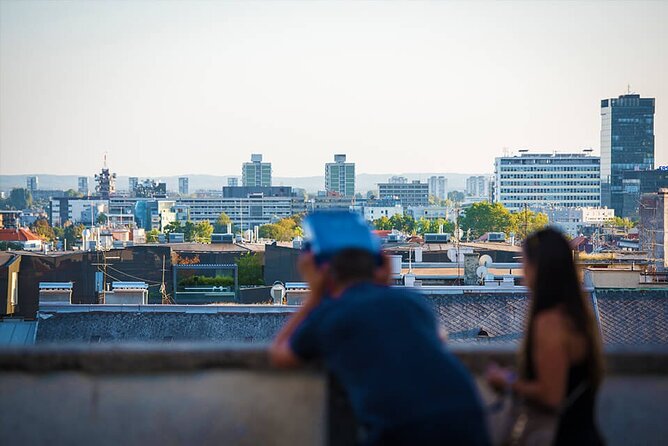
499 378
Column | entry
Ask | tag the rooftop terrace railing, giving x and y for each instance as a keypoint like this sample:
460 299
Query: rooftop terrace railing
228 394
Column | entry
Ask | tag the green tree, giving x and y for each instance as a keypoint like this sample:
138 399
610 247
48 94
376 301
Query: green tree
43 229
174 226
250 269
624 223
382 224
152 236
203 231
221 222
484 217
73 233
283 230
456 196
73 193
20 199
14 246
102 218
526 221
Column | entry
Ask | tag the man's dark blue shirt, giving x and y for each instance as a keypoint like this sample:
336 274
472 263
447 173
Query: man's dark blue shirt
383 346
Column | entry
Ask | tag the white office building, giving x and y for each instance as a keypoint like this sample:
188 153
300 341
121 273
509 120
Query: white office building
539 179
244 212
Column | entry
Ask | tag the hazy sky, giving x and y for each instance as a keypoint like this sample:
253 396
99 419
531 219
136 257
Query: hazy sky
195 87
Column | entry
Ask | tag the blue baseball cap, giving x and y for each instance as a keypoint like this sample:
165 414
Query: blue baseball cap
327 233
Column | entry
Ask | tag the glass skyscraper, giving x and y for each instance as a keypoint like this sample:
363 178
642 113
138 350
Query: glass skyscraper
627 143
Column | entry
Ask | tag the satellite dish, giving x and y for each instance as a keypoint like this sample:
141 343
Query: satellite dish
277 293
485 260
481 272
452 254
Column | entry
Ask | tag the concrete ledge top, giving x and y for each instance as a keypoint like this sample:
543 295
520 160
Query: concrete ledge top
45 309
173 357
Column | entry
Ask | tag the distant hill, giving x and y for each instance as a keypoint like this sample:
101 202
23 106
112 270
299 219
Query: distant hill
365 181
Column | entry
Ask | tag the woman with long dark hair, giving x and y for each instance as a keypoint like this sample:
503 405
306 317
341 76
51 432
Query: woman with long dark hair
561 364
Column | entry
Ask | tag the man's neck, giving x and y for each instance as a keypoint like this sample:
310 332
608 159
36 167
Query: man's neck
339 288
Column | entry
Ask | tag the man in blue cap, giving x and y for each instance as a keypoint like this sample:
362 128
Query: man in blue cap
381 343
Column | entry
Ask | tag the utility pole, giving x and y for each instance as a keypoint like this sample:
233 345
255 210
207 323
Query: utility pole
526 222
166 299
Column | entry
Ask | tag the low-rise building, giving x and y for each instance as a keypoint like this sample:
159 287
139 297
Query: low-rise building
374 212
414 193
574 221
653 226
77 210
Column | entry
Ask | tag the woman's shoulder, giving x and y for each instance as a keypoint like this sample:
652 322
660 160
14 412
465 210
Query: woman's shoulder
552 321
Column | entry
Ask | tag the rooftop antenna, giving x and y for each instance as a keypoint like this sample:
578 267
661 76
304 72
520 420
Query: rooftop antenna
628 88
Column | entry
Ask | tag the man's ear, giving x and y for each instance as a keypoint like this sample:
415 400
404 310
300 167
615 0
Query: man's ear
383 274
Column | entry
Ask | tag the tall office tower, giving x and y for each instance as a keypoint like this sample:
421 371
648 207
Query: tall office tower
106 183
233 182
256 173
477 186
32 184
83 185
541 179
340 177
133 182
627 143
183 185
438 187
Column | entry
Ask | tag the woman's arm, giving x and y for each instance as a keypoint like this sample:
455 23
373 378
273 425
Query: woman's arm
551 362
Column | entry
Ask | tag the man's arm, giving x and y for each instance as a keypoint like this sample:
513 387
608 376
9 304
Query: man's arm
280 352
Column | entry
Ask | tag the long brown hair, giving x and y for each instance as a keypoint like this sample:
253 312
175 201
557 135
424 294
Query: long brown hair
557 285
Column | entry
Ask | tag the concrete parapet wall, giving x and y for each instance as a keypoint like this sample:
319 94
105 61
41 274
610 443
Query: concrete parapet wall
227 394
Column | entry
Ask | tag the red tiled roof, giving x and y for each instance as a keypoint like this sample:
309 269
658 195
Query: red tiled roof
14 235
578 241
382 233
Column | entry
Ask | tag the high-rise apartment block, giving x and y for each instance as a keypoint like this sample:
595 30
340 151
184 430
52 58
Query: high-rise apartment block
627 143
340 177
438 187
256 173
477 186
183 185
32 183
82 185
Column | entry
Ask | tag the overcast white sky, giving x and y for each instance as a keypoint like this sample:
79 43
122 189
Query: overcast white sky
194 87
